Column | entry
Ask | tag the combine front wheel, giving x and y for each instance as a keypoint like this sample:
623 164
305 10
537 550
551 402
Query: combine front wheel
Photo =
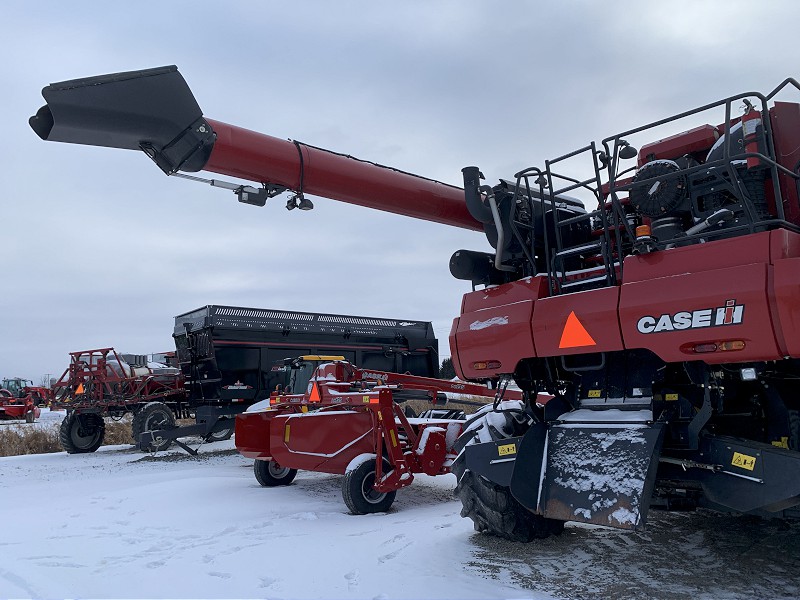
80 433
359 494
491 507
271 474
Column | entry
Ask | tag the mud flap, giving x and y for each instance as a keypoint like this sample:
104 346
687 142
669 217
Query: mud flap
595 471
751 477
493 460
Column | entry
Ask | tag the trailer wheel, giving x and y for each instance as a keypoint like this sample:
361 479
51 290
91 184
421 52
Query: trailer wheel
359 495
80 433
271 474
491 507
153 416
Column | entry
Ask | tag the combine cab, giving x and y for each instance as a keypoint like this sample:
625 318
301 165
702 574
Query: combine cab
651 292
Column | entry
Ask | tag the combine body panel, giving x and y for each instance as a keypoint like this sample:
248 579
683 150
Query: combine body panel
652 293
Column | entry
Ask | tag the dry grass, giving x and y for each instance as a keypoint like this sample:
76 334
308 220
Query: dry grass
15 441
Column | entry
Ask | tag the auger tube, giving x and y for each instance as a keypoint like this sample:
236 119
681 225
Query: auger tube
155 111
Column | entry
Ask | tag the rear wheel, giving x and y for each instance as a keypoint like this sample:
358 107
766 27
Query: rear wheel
153 416
80 433
270 474
359 494
491 507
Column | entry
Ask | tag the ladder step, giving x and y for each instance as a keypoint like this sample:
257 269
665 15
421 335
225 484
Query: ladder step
594 247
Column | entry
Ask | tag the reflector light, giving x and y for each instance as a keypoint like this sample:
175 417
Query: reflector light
484 365
732 345
374 399
274 400
701 348
643 230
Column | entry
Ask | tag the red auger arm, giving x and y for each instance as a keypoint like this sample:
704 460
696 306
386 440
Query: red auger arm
155 111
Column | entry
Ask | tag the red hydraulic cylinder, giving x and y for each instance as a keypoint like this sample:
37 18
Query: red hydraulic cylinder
258 157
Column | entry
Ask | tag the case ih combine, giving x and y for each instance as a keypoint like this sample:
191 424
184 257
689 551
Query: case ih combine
226 361
664 319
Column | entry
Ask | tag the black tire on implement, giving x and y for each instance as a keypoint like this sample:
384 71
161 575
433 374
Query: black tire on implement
270 474
153 416
359 495
30 416
81 433
491 507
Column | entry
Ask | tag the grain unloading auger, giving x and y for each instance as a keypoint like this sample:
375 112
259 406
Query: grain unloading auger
664 320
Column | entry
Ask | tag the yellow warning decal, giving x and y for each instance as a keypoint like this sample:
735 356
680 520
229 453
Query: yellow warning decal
394 439
671 397
506 449
781 443
743 461
286 434
594 393
365 398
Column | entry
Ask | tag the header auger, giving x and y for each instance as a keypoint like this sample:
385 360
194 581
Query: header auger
652 292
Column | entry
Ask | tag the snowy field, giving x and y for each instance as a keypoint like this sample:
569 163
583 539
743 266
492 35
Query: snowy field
119 524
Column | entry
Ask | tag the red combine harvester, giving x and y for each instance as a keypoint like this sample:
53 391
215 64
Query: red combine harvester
18 400
345 418
664 319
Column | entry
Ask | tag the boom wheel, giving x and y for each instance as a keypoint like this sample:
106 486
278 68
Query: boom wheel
270 474
81 433
359 494
153 416
491 507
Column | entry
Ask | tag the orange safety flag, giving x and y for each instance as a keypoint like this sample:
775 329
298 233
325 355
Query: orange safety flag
79 390
315 396
575 334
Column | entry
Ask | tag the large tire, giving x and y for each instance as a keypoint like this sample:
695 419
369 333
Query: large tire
271 474
81 433
359 495
794 430
491 507
30 416
222 435
153 416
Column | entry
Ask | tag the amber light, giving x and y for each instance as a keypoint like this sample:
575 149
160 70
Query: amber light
484 365
719 347
643 231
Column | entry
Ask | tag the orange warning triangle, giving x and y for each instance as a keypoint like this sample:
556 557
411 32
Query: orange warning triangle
314 397
80 389
575 334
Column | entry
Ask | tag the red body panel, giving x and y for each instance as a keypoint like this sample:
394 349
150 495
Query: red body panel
759 273
255 156
495 328
595 311
692 300
321 441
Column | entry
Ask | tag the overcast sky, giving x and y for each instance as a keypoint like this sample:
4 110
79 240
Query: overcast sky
100 249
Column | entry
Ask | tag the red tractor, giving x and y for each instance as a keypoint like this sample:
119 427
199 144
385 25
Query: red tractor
652 292
20 399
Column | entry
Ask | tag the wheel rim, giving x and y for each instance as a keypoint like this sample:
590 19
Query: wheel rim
156 421
277 471
369 493
219 435
84 435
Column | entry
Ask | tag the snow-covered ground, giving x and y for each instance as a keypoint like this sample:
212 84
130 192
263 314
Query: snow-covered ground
119 524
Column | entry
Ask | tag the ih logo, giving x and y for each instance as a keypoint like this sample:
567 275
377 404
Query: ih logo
730 314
